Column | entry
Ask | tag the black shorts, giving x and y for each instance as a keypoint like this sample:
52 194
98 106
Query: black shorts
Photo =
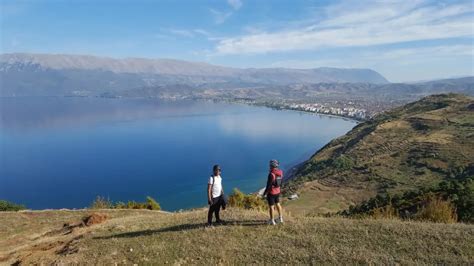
272 199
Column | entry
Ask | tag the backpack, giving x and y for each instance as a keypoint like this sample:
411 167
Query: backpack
277 180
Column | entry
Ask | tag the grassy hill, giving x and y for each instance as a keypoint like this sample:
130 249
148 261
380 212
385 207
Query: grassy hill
153 237
411 147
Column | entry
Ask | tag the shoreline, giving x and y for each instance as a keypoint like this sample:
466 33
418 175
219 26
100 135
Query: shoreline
232 101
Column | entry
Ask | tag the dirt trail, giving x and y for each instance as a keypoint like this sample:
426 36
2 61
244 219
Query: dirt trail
59 241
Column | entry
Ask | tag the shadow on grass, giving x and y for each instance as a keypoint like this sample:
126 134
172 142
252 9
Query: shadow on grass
182 227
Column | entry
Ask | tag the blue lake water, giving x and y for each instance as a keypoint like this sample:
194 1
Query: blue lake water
63 152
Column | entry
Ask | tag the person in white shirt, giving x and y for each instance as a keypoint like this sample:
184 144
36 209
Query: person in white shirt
215 195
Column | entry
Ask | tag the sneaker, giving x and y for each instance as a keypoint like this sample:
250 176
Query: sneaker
280 220
271 222
208 225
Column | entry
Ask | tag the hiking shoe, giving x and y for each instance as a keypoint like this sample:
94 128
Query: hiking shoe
280 220
271 222
208 225
220 222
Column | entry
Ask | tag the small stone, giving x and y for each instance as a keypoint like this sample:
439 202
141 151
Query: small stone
131 250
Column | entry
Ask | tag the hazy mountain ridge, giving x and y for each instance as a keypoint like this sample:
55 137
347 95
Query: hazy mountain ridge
69 75
59 75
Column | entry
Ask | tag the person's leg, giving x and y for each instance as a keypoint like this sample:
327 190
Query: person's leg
280 213
279 209
218 209
209 214
271 208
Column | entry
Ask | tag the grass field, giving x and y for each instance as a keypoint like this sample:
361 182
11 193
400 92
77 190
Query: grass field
152 237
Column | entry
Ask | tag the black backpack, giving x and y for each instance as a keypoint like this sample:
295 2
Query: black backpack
277 181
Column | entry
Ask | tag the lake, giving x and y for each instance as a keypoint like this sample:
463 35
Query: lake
63 152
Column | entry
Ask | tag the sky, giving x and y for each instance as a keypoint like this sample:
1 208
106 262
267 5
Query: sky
404 40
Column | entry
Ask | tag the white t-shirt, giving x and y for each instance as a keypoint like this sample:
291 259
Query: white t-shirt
217 188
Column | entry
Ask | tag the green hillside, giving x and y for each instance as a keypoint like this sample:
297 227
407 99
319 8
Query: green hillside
153 237
413 147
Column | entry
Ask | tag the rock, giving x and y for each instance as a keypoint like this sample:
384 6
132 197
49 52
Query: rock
293 197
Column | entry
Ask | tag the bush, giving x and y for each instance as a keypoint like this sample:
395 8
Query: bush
102 203
438 210
152 204
459 192
387 212
250 201
10 206
343 163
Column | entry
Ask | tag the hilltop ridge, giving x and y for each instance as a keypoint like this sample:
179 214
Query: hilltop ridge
151 237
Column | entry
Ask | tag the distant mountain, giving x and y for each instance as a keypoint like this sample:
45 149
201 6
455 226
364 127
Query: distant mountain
412 147
50 74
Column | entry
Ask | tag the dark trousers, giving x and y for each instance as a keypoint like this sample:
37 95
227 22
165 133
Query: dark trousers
214 208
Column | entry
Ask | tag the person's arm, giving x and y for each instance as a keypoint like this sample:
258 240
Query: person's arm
209 194
269 185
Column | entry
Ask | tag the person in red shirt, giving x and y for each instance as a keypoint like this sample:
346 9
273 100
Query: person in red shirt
272 191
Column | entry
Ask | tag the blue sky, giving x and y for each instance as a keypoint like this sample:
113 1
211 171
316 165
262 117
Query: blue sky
404 40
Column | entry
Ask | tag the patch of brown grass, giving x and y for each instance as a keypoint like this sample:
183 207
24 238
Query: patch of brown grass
438 210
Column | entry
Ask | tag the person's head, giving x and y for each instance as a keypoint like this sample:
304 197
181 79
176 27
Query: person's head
216 169
274 164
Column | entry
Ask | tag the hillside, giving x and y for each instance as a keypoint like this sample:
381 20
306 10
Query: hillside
152 237
411 147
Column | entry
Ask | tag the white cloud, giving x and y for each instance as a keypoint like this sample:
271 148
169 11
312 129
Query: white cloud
362 24
185 33
235 4
220 16
182 33
363 59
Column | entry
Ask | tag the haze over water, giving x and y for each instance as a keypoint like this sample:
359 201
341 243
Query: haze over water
63 152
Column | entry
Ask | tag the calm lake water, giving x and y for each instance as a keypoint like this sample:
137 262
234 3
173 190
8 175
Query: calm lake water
63 152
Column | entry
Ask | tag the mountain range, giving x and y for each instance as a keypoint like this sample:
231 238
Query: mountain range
25 74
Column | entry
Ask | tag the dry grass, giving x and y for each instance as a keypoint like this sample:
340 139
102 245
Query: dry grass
140 236
387 212
316 198
438 211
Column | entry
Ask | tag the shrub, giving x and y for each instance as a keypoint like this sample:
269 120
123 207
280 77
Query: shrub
387 212
10 206
249 201
438 210
343 163
152 204
101 203
236 199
